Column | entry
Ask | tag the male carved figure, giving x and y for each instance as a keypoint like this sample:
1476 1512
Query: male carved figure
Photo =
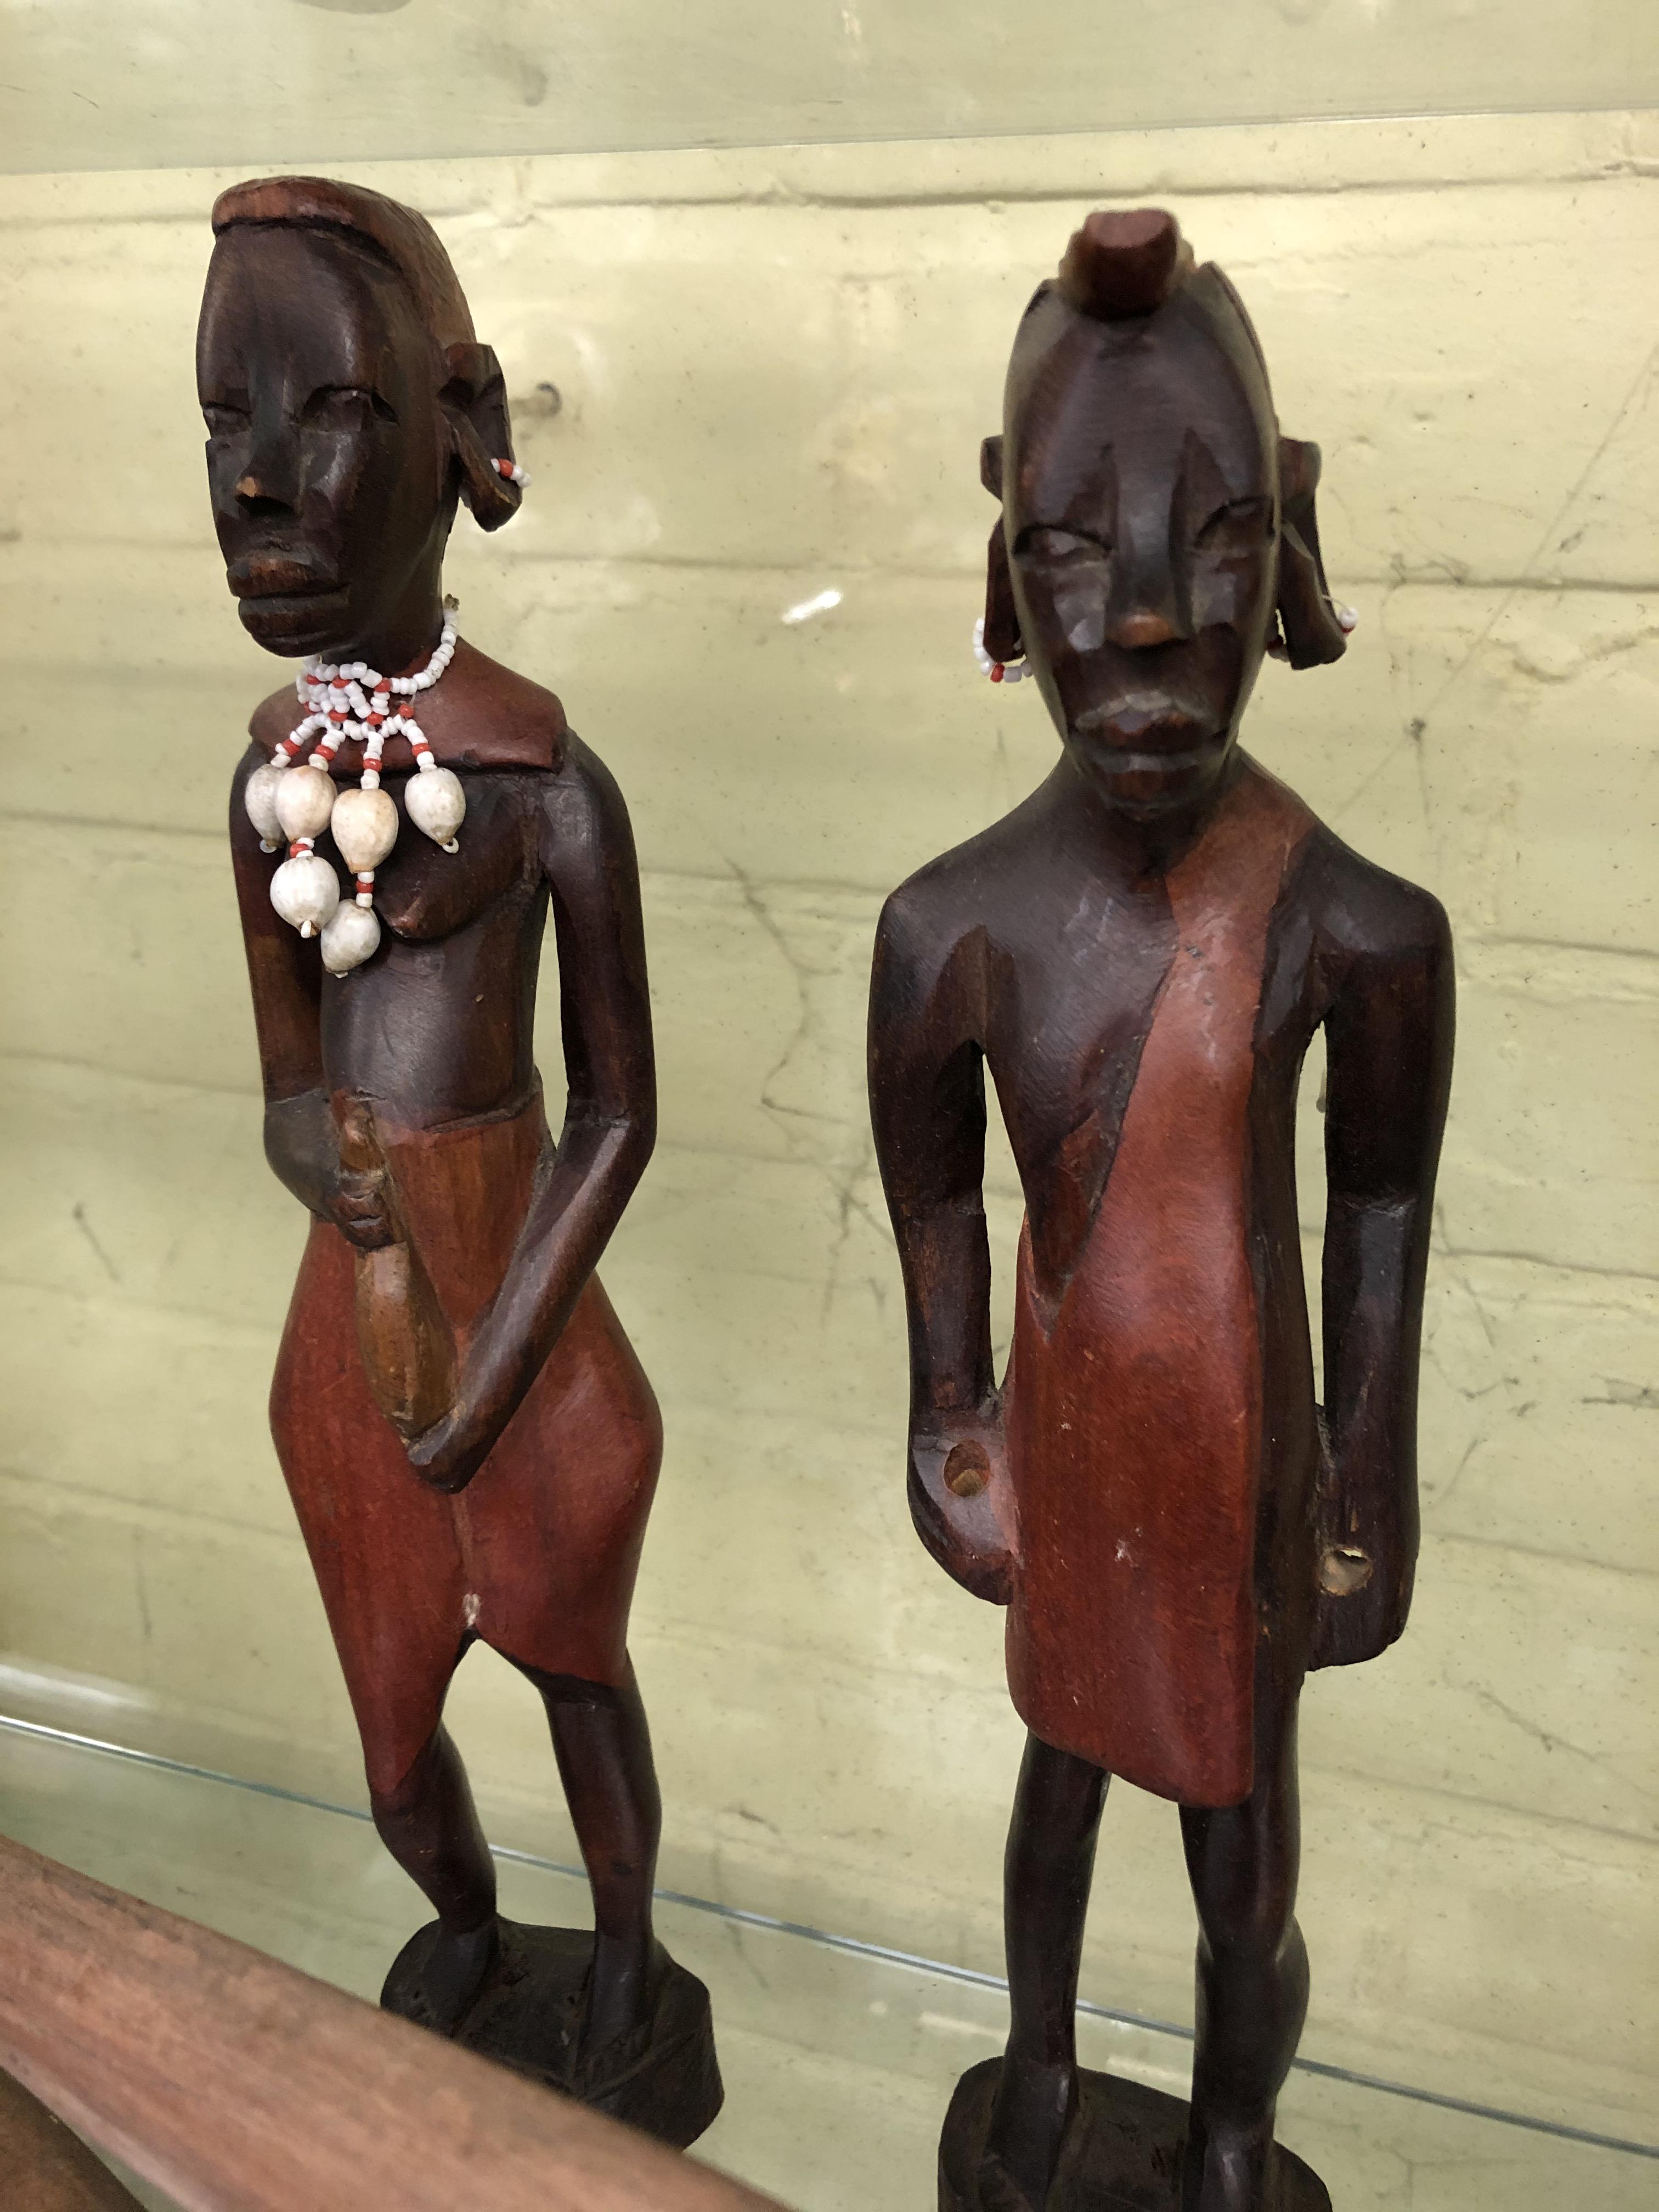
1142 952
447 1284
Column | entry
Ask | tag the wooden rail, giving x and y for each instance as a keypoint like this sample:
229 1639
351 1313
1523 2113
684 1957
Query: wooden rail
238 2085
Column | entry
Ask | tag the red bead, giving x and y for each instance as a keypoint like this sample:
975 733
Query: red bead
996 671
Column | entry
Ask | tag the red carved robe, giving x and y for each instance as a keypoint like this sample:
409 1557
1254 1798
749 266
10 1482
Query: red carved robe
1135 1406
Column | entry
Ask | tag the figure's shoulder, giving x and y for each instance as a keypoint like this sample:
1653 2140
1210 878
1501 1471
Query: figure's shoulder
971 887
273 718
579 795
486 715
1361 912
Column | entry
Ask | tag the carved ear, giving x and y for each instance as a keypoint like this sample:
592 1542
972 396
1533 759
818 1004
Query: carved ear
1313 634
474 401
1002 638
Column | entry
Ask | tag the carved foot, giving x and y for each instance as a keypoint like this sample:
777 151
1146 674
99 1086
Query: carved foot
453 1973
1031 2113
529 2013
1122 2153
1230 2169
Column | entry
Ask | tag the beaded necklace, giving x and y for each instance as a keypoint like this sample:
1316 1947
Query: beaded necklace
291 805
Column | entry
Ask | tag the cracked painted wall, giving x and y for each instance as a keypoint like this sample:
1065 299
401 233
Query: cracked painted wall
776 367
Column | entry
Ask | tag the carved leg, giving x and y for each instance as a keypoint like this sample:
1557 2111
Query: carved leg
428 1821
603 1745
1046 1873
1252 1970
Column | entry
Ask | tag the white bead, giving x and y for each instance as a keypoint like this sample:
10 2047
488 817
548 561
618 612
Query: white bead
435 802
260 797
304 891
304 801
365 826
351 936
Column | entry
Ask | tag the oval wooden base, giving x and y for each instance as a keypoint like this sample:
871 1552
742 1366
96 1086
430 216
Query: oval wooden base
664 2080
1122 2152
45 2168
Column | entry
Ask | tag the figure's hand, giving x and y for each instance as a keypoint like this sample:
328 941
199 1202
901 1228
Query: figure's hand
961 1499
360 1203
1364 1569
357 1205
449 1454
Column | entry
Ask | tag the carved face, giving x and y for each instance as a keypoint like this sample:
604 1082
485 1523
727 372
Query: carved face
327 450
1140 509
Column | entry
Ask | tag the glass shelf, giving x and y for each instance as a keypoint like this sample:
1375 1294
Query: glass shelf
107 84
839 2058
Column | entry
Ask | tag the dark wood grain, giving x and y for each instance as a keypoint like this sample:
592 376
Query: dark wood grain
1123 2153
470 1443
1140 954
237 2085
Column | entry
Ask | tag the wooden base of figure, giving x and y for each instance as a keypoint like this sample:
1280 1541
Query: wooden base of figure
663 2078
1122 2152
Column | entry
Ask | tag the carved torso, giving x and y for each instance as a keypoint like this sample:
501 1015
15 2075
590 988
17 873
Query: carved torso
1145 1033
439 1025
445 1013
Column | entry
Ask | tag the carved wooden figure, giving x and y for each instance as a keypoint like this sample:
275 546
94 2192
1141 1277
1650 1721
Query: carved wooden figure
469 1442
1141 952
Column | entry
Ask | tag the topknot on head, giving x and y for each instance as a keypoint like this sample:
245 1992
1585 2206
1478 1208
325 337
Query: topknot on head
395 234
1125 264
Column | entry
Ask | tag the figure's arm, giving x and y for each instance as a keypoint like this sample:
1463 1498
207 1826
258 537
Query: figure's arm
1388 1037
927 1108
285 977
609 1122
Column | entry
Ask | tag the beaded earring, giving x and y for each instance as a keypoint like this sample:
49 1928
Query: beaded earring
1000 671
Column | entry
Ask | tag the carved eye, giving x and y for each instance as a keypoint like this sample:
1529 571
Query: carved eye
1056 548
223 418
1241 526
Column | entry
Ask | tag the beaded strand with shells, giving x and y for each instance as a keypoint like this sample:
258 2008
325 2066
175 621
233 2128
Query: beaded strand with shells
293 804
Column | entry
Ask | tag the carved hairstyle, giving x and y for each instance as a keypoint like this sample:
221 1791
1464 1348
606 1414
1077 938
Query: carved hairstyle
408 245
1124 266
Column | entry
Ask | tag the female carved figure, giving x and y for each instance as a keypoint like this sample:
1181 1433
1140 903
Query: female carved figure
470 1443
1142 952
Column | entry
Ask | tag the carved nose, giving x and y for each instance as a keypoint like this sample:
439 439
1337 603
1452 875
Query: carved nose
255 499
1144 626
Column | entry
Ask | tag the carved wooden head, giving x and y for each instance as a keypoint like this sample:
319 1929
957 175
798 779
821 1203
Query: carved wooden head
348 405
1154 524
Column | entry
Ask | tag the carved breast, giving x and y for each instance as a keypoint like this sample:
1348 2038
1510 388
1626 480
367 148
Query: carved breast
422 893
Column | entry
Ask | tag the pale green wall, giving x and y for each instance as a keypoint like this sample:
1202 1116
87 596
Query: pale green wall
776 369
